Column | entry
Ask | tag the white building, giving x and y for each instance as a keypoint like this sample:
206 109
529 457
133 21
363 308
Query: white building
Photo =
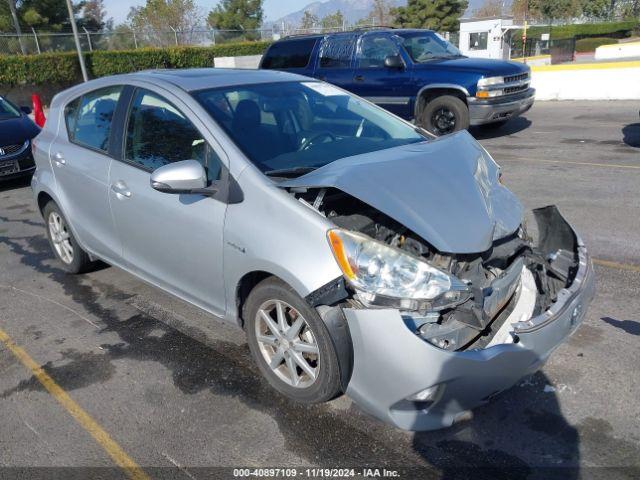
486 37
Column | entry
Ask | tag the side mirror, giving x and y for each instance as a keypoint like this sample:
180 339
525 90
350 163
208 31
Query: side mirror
26 110
394 62
187 176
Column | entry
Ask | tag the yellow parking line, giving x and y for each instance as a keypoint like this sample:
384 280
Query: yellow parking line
130 467
586 66
589 164
620 266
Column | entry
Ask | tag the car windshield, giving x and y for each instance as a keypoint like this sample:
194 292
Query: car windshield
7 110
290 128
425 46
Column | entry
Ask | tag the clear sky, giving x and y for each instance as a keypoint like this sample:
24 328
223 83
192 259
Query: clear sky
273 9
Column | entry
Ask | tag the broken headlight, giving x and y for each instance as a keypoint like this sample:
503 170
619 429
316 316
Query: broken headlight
387 276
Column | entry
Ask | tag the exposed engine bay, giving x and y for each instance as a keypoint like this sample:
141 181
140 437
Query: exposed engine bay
493 277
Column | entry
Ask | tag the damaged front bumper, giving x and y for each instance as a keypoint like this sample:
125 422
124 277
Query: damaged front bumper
391 364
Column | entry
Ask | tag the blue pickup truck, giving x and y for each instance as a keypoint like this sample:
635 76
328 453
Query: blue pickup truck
415 74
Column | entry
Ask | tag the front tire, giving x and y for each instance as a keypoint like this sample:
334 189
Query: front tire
290 343
63 243
444 115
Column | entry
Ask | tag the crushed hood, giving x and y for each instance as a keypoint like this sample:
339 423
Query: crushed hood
445 190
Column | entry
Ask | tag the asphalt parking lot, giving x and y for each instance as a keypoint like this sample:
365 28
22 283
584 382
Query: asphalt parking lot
136 383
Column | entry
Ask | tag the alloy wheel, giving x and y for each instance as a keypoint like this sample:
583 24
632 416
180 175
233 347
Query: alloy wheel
443 121
60 237
287 343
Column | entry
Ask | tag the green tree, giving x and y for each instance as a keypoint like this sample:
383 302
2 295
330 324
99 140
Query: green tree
438 15
333 21
309 20
46 14
555 9
93 15
236 15
157 18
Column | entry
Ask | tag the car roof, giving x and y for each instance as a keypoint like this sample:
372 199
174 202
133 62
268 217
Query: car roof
191 79
363 31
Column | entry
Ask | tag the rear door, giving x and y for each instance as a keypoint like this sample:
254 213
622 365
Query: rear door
390 88
172 240
334 62
80 156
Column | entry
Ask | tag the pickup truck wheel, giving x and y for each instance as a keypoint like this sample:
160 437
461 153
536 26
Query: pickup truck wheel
445 114
290 343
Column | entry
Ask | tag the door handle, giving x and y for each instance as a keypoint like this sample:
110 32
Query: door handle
359 78
120 188
59 159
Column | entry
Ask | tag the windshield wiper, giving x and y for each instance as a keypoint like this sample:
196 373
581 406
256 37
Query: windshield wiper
289 172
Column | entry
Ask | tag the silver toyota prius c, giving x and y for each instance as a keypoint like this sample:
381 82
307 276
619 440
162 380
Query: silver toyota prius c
359 254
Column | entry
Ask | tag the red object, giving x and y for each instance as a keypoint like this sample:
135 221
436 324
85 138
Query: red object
38 112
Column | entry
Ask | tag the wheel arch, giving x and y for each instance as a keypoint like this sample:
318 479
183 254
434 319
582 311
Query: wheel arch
428 93
244 287
332 317
43 198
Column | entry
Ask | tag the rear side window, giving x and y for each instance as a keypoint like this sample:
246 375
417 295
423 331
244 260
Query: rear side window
337 50
89 118
70 115
289 54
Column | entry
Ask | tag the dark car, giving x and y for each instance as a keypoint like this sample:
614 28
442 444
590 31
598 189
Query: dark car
415 74
16 133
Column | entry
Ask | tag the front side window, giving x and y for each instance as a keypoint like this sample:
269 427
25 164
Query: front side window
424 46
302 125
159 134
337 50
7 110
289 54
374 49
478 41
91 123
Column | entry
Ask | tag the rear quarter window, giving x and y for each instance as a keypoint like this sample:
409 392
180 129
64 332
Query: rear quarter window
289 54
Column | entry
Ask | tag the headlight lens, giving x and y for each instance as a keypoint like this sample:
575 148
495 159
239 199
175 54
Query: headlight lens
489 81
388 276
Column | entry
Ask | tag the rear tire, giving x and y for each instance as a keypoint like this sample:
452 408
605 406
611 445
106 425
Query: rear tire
303 364
444 115
63 243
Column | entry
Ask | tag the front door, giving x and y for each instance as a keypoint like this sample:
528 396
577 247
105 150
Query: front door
389 88
80 156
171 240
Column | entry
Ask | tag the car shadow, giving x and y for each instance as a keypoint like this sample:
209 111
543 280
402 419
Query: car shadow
515 125
519 434
631 327
14 183
631 135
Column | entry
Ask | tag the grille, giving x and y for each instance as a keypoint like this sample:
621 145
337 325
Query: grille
516 78
519 88
11 149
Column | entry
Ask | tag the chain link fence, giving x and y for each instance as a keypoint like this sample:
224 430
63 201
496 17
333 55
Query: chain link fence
41 42
37 42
